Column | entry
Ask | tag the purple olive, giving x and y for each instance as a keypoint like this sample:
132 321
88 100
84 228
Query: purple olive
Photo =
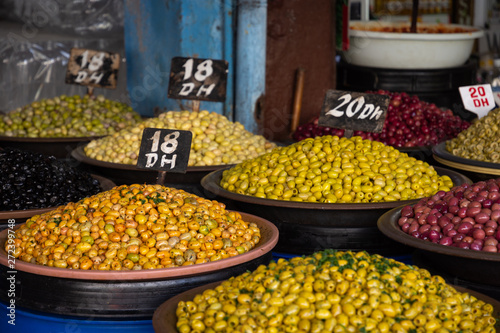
434 236
478 234
464 227
407 211
432 219
446 241
476 246
464 245
481 217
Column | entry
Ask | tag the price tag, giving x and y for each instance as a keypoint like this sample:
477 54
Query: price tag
199 79
165 150
354 111
93 68
478 99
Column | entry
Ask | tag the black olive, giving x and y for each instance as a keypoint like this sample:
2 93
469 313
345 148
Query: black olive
33 180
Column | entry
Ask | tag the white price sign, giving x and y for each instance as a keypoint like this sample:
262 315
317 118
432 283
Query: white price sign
478 99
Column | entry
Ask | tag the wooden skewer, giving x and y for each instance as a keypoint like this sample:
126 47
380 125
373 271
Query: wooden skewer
196 105
297 99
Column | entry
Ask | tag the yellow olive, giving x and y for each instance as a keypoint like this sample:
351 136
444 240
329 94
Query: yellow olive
338 176
216 140
335 291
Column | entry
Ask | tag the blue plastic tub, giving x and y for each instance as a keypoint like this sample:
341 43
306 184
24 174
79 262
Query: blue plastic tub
32 321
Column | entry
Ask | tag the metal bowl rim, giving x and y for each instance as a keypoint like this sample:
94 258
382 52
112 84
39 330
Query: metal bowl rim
80 156
209 182
440 151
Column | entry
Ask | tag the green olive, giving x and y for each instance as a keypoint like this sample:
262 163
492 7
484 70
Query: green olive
65 116
480 140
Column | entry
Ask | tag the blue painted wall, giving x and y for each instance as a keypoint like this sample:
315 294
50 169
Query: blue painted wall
232 30
158 30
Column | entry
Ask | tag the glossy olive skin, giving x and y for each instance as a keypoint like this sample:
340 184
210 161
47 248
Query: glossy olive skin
133 227
335 170
216 140
334 291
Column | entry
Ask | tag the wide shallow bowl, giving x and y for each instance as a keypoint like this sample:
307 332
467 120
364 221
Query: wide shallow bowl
20 216
398 50
476 266
165 319
127 294
308 227
58 147
130 174
476 170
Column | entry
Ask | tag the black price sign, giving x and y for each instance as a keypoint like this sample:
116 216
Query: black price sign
165 150
354 111
200 79
93 68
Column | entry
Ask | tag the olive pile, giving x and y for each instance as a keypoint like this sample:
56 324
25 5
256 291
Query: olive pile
480 141
410 122
132 227
332 169
32 180
68 116
216 140
334 291
466 217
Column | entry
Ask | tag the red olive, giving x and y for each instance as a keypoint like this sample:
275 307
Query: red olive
478 234
482 217
490 248
446 241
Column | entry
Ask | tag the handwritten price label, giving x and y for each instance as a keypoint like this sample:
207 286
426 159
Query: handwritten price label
354 111
93 68
198 79
165 150
478 99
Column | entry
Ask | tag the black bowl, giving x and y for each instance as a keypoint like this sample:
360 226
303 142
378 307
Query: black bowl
58 147
476 170
308 227
469 265
130 174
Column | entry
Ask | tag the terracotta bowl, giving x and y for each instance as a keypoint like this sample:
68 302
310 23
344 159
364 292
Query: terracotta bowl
308 227
476 170
129 174
122 294
20 216
58 147
469 265
164 318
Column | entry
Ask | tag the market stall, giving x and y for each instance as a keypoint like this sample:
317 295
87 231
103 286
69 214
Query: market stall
249 166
